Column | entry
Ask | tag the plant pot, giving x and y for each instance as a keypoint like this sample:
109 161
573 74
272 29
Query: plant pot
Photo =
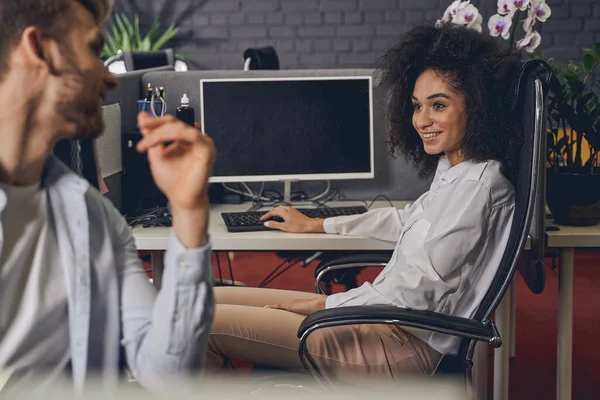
573 199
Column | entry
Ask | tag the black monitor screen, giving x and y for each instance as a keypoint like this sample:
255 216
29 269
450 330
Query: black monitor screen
289 126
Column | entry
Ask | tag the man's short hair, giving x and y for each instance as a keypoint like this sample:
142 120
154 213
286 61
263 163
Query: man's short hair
47 15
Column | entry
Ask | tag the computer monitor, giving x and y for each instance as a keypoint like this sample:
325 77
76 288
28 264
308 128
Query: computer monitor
289 128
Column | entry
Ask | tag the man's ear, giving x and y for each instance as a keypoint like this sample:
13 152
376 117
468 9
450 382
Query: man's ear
36 50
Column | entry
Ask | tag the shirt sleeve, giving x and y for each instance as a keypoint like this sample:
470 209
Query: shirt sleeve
381 223
165 334
431 256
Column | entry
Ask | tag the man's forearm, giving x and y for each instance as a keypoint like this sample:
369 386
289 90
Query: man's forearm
191 226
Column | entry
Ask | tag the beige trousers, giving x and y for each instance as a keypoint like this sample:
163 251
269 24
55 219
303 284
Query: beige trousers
244 330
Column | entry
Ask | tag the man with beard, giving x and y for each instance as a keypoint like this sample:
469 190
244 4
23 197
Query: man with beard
72 288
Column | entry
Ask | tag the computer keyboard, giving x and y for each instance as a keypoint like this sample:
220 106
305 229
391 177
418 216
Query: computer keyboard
249 221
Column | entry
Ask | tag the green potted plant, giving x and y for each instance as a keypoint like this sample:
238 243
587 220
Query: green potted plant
125 35
573 180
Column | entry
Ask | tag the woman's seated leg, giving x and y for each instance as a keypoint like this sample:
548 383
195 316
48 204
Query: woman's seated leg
258 297
246 331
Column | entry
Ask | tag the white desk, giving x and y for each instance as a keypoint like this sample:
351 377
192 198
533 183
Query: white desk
566 239
157 238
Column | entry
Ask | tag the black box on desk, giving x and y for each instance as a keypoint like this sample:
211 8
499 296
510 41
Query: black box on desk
138 190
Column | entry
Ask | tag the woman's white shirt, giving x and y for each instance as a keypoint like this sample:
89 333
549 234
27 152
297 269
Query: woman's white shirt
449 244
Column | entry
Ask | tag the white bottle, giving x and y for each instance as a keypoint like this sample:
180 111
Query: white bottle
185 112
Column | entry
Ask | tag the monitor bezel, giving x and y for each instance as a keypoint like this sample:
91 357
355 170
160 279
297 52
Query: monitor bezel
297 177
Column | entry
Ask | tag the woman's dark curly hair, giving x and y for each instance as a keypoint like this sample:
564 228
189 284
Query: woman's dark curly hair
473 64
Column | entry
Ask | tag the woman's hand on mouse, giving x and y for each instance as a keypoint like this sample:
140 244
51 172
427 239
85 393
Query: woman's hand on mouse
293 221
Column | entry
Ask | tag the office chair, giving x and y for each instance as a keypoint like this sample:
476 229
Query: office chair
260 58
530 98
126 61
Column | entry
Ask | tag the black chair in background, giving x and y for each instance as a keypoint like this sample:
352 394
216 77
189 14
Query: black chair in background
261 58
530 100
127 61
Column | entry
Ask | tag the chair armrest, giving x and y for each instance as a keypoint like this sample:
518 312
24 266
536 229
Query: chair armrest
359 260
428 320
364 258
346 262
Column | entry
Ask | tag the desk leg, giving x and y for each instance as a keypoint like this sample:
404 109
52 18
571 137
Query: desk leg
480 371
502 354
565 323
513 318
157 261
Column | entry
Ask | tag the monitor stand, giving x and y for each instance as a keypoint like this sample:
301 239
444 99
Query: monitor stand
287 191
287 196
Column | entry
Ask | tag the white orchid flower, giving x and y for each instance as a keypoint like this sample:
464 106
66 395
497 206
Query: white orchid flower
530 42
477 24
466 15
540 9
529 21
506 7
520 4
500 25
452 10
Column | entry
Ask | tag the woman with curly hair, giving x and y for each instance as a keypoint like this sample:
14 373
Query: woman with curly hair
449 91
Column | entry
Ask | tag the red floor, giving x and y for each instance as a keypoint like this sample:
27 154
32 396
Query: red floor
533 372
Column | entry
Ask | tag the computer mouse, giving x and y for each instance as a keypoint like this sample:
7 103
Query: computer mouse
275 218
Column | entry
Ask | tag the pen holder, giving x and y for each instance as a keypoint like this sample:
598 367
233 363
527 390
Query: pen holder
144 106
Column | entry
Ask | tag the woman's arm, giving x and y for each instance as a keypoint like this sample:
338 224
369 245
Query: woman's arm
380 223
434 256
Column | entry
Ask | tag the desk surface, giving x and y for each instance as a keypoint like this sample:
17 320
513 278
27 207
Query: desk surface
156 238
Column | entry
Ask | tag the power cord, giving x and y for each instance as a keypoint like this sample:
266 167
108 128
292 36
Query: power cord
159 216
156 94
377 197
248 193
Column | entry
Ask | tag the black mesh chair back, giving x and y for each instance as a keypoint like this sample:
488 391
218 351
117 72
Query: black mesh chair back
530 102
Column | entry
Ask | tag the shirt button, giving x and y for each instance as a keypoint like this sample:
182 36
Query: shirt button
184 265
177 316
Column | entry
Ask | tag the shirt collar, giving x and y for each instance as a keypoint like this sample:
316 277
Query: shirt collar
57 173
454 172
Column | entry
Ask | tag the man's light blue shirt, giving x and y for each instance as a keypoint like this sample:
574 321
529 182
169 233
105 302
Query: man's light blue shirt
111 302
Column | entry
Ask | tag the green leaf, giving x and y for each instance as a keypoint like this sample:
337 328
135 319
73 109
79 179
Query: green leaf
166 36
588 62
146 44
126 44
152 31
116 36
121 27
136 29
111 48
573 67
128 25
597 49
